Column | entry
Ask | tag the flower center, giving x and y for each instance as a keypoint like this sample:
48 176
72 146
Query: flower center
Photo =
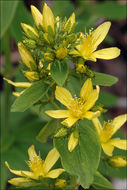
77 107
36 165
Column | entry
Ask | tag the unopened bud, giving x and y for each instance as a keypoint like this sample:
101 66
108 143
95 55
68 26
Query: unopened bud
70 22
61 53
37 16
29 43
72 142
117 161
61 132
45 36
99 107
30 31
60 183
31 76
49 56
26 57
81 68
90 73
48 18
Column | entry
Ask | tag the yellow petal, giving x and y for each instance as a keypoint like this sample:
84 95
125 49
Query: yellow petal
37 16
17 94
121 144
69 121
54 173
97 125
118 121
74 52
58 113
91 115
21 172
28 28
18 84
107 53
21 182
107 148
48 18
31 152
86 89
63 96
72 142
91 99
50 160
26 56
100 33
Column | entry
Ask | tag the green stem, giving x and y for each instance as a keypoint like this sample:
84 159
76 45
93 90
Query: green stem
6 85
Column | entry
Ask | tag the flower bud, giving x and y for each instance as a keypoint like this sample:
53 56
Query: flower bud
45 36
81 68
72 142
26 57
70 23
31 76
22 182
48 18
61 53
29 43
37 16
61 132
49 56
117 161
60 183
30 31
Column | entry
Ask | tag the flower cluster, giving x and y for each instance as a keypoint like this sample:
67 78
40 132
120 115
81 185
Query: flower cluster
52 41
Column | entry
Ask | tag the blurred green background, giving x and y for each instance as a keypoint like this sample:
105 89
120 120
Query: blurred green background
19 130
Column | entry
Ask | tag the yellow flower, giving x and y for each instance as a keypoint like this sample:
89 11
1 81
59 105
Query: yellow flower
106 131
90 42
117 161
48 18
37 16
78 108
26 56
39 169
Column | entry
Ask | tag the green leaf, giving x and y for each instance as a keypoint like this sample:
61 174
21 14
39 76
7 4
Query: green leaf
111 10
8 9
30 96
104 79
83 161
59 71
107 99
22 15
47 130
100 182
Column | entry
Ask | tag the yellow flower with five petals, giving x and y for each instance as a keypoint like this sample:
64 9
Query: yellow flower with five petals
106 131
90 42
78 108
39 169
